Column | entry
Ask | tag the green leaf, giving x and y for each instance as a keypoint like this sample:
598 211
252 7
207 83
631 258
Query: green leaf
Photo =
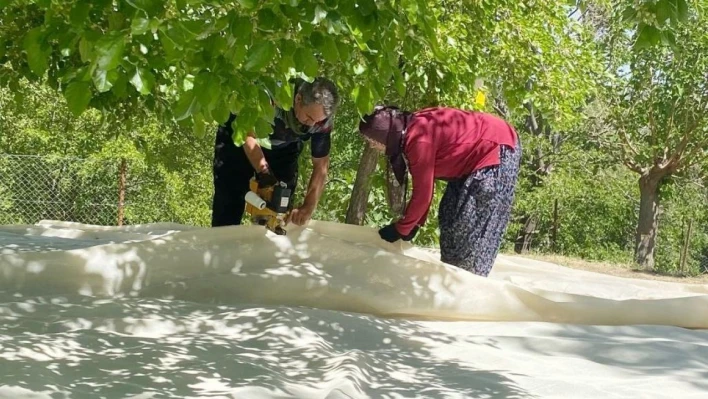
247 118
248 4
399 82
647 36
362 99
629 14
85 49
37 55
186 105
263 128
199 125
284 96
682 10
221 112
120 86
103 80
366 7
268 21
116 21
109 51
317 39
306 62
208 88
79 13
238 54
143 81
139 26
241 29
78 95
266 106
259 56
344 50
170 47
329 50
663 10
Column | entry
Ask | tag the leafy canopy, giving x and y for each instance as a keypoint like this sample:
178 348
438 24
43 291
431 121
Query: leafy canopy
196 61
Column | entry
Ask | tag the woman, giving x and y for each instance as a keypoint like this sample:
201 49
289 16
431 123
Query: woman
478 155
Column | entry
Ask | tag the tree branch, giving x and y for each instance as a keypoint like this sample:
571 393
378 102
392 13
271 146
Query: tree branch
573 12
632 166
628 143
692 158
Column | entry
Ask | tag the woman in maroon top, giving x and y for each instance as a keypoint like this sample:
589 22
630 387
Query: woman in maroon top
478 154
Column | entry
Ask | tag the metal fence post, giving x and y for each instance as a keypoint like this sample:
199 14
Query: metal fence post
121 191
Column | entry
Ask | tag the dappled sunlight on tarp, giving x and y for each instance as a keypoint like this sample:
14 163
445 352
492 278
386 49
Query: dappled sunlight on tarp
132 346
329 311
341 267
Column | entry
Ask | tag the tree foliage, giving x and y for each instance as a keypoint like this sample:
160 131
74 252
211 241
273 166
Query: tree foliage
196 61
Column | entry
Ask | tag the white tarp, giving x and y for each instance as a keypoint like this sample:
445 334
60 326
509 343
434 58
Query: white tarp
329 311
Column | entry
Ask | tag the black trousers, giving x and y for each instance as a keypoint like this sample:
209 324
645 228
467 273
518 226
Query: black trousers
233 172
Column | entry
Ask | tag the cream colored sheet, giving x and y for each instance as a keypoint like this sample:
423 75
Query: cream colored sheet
329 311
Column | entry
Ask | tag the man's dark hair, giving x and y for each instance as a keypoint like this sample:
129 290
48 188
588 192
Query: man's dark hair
321 91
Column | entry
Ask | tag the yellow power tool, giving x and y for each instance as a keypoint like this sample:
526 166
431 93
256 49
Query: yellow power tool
269 206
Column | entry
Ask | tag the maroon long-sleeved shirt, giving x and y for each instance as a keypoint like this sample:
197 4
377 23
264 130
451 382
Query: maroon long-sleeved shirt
447 143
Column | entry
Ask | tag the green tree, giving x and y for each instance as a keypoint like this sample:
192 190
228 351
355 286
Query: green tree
654 119
196 61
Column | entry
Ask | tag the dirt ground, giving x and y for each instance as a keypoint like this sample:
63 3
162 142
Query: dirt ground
618 270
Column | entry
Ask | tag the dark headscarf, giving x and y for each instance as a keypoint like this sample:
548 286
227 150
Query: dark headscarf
386 126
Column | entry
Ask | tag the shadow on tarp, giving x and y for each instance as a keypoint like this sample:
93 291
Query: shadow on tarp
83 347
326 266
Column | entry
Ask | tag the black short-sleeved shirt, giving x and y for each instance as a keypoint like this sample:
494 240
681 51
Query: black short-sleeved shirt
287 130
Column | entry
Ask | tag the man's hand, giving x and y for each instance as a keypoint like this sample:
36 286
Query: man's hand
300 216
266 179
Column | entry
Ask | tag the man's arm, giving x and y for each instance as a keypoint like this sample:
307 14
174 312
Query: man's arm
254 153
302 215
320 166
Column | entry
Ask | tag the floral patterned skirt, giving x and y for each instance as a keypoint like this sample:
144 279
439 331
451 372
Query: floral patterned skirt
474 213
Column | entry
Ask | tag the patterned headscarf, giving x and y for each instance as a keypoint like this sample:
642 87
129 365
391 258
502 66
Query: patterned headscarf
387 125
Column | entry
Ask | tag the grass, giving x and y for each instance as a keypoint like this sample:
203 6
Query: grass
614 269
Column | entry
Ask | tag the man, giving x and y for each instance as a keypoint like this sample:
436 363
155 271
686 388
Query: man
310 119
478 155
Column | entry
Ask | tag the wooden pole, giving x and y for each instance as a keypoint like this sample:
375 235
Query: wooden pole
686 244
554 232
121 191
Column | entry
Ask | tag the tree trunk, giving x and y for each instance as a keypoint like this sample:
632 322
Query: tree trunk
648 225
360 192
395 194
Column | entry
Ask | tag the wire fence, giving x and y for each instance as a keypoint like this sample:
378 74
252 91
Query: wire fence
90 191
119 191
33 188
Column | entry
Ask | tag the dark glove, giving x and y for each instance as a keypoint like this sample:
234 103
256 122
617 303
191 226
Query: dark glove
266 179
411 234
389 233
